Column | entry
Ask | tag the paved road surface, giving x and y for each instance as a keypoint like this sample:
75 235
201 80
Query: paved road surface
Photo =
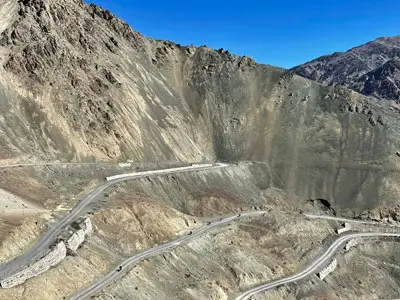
39 164
348 220
48 238
316 265
113 275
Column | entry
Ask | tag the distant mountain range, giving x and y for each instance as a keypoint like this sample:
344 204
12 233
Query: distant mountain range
371 69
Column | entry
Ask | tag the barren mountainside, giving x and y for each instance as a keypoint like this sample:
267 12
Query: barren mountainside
77 83
371 69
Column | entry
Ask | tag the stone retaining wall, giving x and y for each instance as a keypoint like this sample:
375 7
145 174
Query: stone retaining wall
86 226
345 228
351 243
328 269
51 259
76 240
55 256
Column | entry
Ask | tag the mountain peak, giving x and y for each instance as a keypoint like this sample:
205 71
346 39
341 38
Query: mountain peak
350 68
48 33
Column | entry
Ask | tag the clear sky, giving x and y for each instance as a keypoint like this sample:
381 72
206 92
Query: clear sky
282 33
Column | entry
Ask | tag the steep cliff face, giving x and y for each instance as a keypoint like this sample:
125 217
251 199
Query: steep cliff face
78 83
371 69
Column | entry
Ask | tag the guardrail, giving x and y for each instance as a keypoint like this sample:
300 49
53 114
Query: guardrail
194 166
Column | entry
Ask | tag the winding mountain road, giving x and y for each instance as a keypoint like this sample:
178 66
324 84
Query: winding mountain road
115 274
340 219
315 266
41 164
48 238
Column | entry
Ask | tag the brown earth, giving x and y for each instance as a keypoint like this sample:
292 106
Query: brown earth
78 84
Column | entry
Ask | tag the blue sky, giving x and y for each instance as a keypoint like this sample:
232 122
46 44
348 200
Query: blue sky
282 33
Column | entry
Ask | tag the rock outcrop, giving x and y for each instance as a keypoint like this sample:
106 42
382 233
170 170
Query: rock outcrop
371 69
77 83
382 214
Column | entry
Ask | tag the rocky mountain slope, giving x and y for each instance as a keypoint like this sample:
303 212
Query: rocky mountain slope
77 83
218 264
371 69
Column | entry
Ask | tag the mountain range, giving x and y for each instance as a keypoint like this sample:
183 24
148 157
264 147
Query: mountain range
78 85
371 69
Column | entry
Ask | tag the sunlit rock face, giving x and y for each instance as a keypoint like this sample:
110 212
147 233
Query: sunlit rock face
371 69
77 83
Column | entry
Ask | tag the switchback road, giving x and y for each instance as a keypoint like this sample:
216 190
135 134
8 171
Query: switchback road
99 163
316 265
115 274
48 238
348 220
